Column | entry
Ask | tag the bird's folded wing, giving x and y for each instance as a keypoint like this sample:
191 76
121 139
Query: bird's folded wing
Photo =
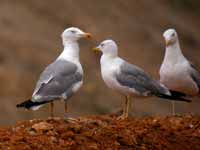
56 79
134 77
195 75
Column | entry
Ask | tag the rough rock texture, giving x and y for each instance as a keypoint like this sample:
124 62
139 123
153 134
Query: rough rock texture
30 40
104 132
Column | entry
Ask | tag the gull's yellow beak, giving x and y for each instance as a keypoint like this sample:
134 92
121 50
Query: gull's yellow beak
168 42
87 36
96 50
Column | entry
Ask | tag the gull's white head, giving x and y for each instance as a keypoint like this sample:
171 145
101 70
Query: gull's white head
108 47
74 34
170 36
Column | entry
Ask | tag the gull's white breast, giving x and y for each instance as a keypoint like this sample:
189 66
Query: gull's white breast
109 69
177 77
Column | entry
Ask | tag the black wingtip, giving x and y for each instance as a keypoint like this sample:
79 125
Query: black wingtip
183 99
173 97
178 94
28 104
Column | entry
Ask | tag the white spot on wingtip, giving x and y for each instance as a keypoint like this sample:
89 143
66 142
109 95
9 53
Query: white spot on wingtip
36 107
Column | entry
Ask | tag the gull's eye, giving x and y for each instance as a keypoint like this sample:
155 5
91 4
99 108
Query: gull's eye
72 31
173 34
102 45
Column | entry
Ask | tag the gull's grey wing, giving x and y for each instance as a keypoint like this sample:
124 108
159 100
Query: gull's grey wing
57 79
195 75
134 77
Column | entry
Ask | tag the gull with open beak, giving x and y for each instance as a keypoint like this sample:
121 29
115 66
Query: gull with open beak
62 78
128 79
176 72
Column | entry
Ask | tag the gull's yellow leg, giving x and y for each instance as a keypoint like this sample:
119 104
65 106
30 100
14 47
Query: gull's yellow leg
66 108
68 119
128 104
173 108
51 109
125 109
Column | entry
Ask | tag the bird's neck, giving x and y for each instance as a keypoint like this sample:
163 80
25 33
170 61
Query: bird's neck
173 54
107 58
70 52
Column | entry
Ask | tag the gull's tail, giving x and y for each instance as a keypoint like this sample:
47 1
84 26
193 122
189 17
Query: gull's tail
28 104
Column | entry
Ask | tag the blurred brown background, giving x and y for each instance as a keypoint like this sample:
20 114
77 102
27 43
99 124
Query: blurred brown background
30 39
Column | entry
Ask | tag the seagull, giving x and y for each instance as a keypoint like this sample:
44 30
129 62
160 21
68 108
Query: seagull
128 79
176 72
62 78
